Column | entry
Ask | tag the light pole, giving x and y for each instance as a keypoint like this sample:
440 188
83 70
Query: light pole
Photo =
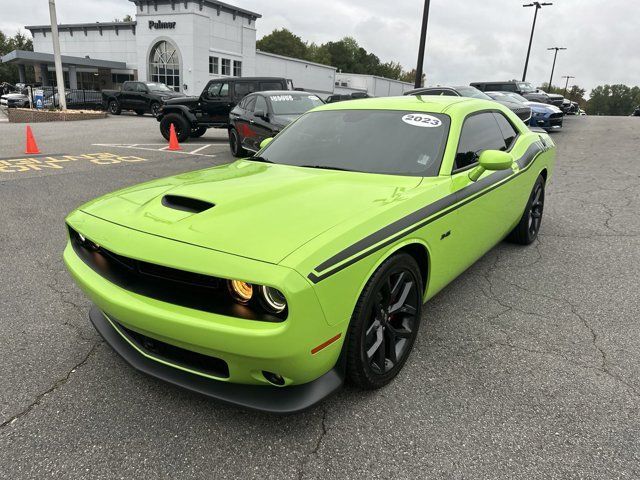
538 6
566 85
555 55
56 55
423 41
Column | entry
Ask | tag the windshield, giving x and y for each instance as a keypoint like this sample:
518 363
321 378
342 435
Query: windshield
472 92
526 87
291 104
374 141
158 87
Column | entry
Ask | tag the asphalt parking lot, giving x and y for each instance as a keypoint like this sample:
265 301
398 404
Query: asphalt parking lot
527 366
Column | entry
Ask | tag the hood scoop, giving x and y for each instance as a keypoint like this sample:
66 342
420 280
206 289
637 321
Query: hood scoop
186 204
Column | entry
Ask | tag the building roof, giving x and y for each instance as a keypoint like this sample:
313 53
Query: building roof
84 26
36 58
211 3
293 59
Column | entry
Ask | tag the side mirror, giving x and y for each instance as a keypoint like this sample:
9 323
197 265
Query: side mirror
491 160
265 142
261 114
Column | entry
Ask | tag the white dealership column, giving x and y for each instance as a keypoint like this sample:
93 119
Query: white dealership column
56 54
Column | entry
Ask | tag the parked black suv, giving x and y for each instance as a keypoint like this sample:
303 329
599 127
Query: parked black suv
141 97
192 116
525 89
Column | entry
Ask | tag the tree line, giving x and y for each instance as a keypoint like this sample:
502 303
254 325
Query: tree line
604 99
9 73
345 54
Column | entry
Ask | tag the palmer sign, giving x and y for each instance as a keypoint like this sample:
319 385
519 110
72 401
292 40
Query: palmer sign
161 25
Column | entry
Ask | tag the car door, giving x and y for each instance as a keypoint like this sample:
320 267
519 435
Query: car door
240 117
127 98
487 211
141 100
259 123
216 103
243 88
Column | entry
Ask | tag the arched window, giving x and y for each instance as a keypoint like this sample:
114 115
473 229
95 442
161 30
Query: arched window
164 65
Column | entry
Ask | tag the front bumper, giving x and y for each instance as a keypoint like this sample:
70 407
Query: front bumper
262 398
248 348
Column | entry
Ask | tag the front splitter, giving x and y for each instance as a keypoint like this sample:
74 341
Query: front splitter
278 400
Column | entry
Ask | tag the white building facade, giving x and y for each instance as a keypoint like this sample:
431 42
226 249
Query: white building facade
184 44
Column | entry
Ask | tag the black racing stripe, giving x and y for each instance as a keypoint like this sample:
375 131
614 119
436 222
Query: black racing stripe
422 217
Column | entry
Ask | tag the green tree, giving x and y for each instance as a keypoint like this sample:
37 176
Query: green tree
283 42
613 100
9 73
410 77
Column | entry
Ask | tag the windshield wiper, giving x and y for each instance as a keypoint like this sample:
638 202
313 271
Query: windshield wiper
326 167
259 159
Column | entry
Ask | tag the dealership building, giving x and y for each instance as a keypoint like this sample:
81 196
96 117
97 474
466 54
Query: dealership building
184 44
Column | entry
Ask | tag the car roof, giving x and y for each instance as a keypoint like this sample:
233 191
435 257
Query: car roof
418 103
283 92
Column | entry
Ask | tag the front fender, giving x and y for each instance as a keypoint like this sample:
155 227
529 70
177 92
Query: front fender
180 109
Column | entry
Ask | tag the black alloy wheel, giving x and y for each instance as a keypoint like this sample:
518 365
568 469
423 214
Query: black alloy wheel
385 323
155 109
235 144
114 107
526 232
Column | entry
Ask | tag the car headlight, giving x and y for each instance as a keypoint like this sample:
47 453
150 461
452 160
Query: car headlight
241 292
273 299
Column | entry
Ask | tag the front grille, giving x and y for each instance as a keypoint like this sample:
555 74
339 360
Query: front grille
171 285
556 115
176 355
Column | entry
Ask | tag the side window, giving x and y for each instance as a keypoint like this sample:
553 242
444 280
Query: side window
129 87
141 88
449 93
261 104
242 89
509 133
480 132
218 89
250 103
264 86
509 87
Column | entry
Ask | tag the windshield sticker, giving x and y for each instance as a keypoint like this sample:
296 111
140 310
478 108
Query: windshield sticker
421 120
281 98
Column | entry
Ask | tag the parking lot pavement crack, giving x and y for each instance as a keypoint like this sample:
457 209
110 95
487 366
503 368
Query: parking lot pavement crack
57 384
316 448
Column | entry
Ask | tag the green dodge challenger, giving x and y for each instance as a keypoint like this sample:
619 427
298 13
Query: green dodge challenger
269 281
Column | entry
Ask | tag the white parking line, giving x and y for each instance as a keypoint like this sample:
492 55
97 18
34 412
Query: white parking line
200 149
153 147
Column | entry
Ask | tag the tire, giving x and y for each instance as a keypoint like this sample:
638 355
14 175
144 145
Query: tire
198 132
114 107
155 109
234 143
183 129
527 229
379 320
140 112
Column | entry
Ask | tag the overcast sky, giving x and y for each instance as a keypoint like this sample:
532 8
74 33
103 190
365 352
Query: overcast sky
468 40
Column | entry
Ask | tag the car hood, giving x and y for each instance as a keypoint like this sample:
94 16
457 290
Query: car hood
257 210
170 95
182 100
543 107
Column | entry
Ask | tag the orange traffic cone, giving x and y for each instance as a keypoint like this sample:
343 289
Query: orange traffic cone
32 146
173 139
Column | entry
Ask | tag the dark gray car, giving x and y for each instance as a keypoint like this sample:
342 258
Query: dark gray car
523 111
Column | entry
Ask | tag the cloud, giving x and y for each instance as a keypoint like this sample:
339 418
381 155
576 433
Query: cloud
467 40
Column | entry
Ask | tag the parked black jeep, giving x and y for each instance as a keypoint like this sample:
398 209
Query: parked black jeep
141 97
192 116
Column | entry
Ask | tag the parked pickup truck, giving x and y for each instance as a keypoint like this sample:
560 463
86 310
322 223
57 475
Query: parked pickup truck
141 97
192 116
